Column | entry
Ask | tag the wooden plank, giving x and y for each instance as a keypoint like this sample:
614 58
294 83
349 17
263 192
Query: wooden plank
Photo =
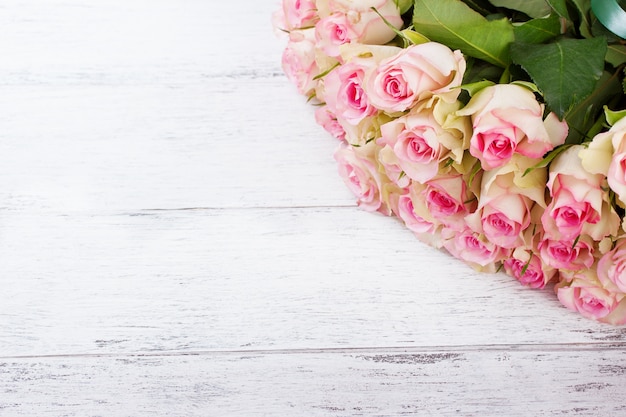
113 112
511 382
140 41
67 148
254 278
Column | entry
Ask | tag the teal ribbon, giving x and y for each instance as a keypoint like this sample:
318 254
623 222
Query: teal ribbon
611 15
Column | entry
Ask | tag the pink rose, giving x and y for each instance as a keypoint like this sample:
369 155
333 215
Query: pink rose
505 217
473 248
582 292
344 91
364 132
565 255
507 200
279 22
360 173
419 141
345 22
331 32
580 204
327 119
507 119
390 163
449 200
299 61
299 14
528 268
612 267
606 155
413 211
416 73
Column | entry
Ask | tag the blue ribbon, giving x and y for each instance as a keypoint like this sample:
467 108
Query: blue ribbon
611 15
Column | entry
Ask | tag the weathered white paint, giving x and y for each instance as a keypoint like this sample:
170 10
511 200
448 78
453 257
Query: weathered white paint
254 278
174 240
517 383
103 147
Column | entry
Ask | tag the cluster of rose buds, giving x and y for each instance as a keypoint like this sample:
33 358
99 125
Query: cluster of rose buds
468 176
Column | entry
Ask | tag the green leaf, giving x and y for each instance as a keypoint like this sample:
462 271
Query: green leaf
611 14
613 117
538 30
582 117
473 88
616 55
583 8
525 268
560 7
530 86
403 5
456 25
481 6
475 170
565 71
414 37
325 73
547 159
478 70
533 8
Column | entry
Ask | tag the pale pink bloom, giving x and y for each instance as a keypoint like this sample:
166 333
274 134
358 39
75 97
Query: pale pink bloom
299 14
472 247
413 221
606 155
617 175
425 137
508 119
279 22
414 139
331 32
528 269
327 119
361 175
298 61
507 198
416 73
363 24
505 217
344 93
363 133
565 255
612 267
448 200
579 203
390 163
617 168
582 292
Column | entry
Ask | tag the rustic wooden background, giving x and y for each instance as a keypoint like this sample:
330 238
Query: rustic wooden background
175 241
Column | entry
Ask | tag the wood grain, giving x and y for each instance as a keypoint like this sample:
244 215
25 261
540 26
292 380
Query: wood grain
68 42
255 278
352 383
174 241
95 148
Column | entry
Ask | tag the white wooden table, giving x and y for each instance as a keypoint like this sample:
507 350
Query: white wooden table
175 241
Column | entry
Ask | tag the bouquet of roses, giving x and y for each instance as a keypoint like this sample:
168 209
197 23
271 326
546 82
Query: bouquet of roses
492 128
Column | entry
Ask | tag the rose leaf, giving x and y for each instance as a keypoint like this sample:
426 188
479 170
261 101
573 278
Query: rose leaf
455 24
533 8
538 30
566 71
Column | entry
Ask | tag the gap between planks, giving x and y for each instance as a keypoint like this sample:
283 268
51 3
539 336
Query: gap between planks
551 347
